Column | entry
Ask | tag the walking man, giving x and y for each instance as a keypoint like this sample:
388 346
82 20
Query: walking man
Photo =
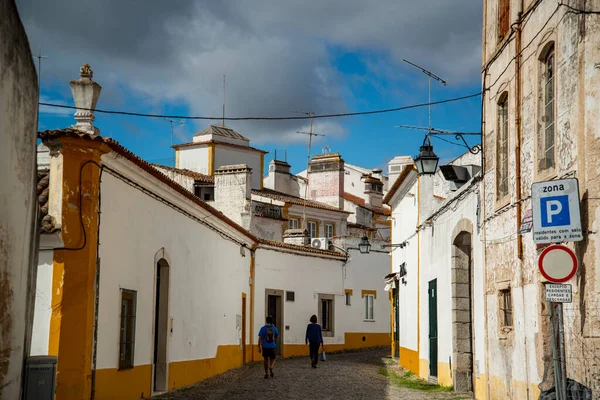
314 339
266 345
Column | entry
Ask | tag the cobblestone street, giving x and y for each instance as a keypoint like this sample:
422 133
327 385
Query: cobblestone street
356 375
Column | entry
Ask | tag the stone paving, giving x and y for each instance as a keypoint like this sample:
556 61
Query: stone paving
354 375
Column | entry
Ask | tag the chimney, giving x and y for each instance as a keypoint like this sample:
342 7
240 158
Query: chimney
326 179
298 237
279 176
85 94
233 193
373 192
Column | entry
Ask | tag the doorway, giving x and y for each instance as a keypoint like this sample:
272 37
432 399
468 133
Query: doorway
243 328
161 327
462 313
433 330
274 308
396 310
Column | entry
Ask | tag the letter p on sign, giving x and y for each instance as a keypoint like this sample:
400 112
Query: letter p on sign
555 211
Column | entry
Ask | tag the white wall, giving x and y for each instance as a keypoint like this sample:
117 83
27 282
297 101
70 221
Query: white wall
310 276
231 156
43 305
193 158
207 277
405 217
18 248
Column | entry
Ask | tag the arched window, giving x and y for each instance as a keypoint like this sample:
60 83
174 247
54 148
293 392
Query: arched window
548 125
502 148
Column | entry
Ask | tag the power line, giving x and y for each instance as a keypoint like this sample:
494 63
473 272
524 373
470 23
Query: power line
352 114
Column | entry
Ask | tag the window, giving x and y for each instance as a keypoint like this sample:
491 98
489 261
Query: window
348 297
548 126
293 223
207 197
312 229
506 308
290 296
328 231
502 148
503 18
127 337
326 314
369 307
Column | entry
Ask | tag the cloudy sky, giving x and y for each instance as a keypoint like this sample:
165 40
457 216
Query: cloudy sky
325 56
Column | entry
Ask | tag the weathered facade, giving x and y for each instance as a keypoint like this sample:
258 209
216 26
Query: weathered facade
541 121
18 120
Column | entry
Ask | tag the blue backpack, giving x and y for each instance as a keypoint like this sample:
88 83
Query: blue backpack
270 336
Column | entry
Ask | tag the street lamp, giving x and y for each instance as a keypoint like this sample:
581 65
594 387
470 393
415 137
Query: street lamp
364 246
426 161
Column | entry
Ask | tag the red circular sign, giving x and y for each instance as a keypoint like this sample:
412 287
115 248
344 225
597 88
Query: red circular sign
557 263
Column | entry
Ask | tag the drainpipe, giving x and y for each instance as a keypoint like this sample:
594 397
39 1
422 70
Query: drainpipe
96 286
419 277
252 286
518 186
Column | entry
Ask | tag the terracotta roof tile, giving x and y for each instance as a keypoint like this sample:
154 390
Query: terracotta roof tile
237 146
272 194
306 249
187 172
47 222
359 201
116 147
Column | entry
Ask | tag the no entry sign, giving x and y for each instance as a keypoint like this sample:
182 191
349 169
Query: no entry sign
557 263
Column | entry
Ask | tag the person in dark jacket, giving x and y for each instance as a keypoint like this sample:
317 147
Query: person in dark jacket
314 339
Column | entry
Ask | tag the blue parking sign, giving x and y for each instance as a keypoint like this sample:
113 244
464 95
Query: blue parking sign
555 211
556 214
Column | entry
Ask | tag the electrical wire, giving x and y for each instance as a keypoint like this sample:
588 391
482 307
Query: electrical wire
352 114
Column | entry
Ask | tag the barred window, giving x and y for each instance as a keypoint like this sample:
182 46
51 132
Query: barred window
506 308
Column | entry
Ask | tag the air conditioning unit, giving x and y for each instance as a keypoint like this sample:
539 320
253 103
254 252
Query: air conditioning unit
319 243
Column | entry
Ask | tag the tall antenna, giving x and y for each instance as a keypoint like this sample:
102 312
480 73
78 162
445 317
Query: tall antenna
430 75
40 57
223 100
310 136
181 123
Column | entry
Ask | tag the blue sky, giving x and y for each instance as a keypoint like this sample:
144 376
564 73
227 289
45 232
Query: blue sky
270 71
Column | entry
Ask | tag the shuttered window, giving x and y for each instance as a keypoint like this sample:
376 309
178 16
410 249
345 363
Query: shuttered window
503 17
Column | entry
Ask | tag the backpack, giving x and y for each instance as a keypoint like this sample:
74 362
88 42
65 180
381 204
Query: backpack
270 334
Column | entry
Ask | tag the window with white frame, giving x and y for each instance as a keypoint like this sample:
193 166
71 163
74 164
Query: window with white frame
502 148
369 299
312 229
127 331
547 124
327 314
328 231
293 223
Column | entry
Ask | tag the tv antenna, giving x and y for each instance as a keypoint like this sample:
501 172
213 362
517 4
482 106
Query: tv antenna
181 123
310 134
430 75
40 57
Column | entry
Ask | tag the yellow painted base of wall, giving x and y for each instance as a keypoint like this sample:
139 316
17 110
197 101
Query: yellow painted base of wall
184 373
444 375
480 387
517 389
132 383
409 360
136 383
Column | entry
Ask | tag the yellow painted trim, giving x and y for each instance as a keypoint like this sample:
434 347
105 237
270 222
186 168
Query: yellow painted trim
423 368
348 291
176 158
419 267
262 171
392 308
73 299
184 373
365 292
517 389
352 341
211 159
133 383
409 360
444 374
252 297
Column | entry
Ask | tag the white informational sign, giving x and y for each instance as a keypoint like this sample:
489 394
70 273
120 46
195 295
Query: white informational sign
556 216
559 293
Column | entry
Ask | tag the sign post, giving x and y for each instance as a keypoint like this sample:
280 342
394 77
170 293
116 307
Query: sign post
556 219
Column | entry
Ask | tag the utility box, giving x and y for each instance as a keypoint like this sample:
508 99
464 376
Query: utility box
40 378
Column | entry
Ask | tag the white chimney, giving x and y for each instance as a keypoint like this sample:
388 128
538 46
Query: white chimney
85 94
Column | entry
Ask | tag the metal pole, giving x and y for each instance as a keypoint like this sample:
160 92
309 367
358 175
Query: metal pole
429 103
557 370
561 349
307 167
172 149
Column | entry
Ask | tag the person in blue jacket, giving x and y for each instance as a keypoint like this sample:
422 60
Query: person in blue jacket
314 339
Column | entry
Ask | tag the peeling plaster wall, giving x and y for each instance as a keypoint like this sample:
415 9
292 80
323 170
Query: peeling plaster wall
577 142
18 247
267 228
